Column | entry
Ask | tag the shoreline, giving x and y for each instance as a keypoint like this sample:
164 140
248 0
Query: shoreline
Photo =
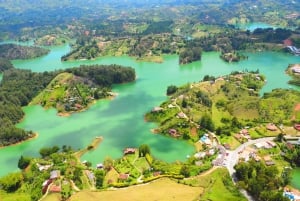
111 96
94 144
35 135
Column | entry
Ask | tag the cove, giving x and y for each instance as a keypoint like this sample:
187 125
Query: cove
121 121
254 25
295 175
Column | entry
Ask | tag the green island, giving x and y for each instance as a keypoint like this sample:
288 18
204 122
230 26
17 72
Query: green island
245 139
68 91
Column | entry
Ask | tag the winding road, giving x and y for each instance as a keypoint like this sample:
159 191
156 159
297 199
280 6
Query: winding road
232 159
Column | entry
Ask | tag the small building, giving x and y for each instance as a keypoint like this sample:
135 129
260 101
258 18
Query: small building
99 166
55 174
78 106
259 145
129 151
43 167
55 189
198 163
171 106
269 161
227 146
297 126
238 136
157 109
271 143
200 155
123 177
271 127
244 132
173 132
205 139
181 115
157 173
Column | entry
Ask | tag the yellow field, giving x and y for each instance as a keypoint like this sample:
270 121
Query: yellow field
52 197
162 190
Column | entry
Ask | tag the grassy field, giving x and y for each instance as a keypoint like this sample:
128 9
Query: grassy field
232 141
217 186
14 196
52 197
54 91
162 189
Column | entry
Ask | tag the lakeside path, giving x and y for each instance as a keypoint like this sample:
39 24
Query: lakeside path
233 157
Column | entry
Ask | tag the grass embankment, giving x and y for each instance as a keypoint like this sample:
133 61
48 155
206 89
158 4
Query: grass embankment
162 189
216 186
95 143
54 91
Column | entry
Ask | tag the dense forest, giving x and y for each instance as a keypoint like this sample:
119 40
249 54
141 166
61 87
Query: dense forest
261 181
12 51
5 64
19 87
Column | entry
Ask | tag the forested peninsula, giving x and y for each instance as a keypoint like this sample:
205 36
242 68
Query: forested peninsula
13 51
19 87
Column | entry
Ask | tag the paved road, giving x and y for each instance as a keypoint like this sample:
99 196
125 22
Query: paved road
233 157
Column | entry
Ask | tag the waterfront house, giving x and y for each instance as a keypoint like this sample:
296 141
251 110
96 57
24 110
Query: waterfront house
129 151
99 166
173 132
157 109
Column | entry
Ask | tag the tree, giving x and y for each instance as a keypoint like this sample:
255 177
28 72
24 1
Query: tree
23 162
171 89
184 103
185 171
11 182
279 137
108 163
99 175
207 123
143 150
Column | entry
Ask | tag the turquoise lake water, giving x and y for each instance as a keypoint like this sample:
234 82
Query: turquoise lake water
121 120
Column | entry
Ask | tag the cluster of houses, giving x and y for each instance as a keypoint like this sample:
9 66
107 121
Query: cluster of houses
243 134
251 152
50 183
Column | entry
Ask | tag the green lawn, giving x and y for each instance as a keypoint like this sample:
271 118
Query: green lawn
141 164
217 186
232 141
14 196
